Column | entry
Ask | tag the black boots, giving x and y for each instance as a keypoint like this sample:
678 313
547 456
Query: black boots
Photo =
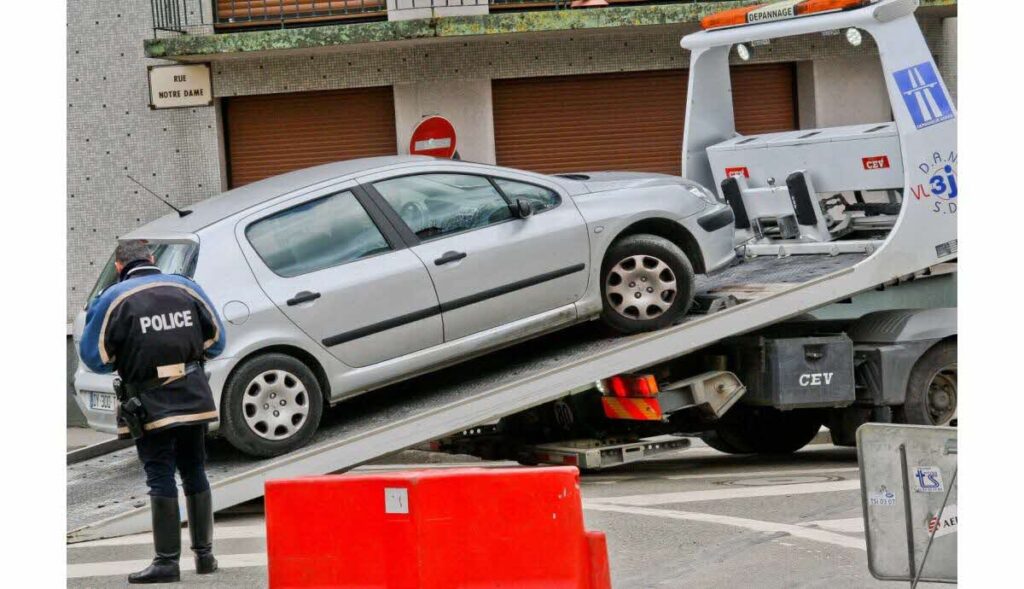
200 528
166 543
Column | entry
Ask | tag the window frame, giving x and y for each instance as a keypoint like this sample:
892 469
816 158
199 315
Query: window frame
406 232
377 218
558 197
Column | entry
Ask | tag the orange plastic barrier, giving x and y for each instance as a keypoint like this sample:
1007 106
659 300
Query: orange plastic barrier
438 529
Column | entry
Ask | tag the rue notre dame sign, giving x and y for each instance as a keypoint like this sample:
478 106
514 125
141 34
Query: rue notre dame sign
177 86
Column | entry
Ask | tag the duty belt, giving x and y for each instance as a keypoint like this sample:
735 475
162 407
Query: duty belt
171 371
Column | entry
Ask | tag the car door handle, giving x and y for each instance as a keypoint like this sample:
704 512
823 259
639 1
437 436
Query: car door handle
303 297
449 257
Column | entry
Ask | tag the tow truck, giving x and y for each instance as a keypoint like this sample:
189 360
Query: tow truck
823 216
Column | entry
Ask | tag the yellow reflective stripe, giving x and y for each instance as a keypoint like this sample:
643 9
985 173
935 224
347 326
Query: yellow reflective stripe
180 419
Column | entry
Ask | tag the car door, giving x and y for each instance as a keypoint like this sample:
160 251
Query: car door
489 267
336 267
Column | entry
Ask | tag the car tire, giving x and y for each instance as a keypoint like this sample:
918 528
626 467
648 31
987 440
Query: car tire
764 430
932 388
271 405
666 272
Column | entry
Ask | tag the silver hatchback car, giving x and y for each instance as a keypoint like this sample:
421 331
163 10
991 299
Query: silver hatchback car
343 278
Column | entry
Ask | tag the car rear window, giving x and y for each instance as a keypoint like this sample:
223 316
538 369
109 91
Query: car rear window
171 257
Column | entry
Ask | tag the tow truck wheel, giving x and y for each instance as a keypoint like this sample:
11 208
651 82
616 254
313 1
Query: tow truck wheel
647 283
764 430
271 405
716 441
931 389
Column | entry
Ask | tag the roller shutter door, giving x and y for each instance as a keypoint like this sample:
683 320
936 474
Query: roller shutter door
276 133
623 121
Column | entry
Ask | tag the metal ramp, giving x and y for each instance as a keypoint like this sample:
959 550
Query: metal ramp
107 495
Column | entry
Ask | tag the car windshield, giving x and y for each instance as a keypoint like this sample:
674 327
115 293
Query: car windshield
171 258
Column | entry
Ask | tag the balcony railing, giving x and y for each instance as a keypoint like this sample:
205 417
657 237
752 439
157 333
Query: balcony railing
198 16
249 13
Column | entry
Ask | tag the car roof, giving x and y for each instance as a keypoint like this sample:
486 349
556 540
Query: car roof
233 201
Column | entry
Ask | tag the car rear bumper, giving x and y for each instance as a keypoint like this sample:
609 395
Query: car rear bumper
87 382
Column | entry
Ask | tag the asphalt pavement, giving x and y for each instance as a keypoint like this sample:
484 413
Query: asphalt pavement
696 519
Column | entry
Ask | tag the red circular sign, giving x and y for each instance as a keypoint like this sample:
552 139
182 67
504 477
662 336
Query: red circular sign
434 136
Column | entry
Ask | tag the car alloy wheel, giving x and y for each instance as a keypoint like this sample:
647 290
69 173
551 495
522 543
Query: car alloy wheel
641 287
275 404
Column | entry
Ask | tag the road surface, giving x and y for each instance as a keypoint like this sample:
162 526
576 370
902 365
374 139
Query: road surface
697 519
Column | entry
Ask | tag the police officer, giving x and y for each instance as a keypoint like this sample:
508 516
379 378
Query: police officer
156 329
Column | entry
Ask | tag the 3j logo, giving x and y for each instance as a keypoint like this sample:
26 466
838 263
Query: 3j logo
940 182
944 183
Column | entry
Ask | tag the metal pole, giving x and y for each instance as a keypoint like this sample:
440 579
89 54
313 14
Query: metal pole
907 518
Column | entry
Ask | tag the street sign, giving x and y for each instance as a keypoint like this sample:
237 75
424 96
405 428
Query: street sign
909 494
434 136
179 86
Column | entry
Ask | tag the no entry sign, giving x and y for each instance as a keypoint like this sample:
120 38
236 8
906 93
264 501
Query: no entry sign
434 136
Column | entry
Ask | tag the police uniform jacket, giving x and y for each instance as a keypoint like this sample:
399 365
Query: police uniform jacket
151 327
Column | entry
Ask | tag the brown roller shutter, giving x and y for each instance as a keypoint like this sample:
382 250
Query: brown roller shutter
624 121
277 133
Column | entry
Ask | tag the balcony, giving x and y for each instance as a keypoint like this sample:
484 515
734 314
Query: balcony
202 30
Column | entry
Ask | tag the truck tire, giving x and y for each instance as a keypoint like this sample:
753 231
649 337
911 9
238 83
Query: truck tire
646 284
271 405
932 388
716 441
764 430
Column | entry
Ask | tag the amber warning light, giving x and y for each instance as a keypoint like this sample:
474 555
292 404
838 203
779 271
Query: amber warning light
787 9
629 385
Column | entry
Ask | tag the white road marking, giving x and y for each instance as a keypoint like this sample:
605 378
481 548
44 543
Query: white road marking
728 493
761 473
124 567
219 533
853 525
740 522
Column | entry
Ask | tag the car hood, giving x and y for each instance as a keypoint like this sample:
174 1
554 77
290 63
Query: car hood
605 181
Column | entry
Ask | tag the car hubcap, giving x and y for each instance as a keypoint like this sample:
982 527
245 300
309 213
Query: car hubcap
275 404
641 287
942 396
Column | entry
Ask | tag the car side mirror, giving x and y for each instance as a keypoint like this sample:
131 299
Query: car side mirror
522 208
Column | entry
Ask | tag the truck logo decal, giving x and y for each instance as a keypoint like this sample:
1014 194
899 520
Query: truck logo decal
875 162
940 182
737 171
926 101
815 379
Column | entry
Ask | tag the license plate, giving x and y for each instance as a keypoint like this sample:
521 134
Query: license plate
101 401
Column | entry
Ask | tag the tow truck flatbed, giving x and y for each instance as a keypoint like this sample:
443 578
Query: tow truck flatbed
106 495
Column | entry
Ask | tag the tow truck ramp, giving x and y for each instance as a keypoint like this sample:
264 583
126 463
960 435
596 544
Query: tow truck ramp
106 494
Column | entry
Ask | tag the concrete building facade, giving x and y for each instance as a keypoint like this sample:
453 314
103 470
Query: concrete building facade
425 58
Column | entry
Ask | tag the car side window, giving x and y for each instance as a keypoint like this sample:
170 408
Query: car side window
540 198
436 205
315 235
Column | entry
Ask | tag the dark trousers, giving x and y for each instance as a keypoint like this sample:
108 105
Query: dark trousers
182 448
